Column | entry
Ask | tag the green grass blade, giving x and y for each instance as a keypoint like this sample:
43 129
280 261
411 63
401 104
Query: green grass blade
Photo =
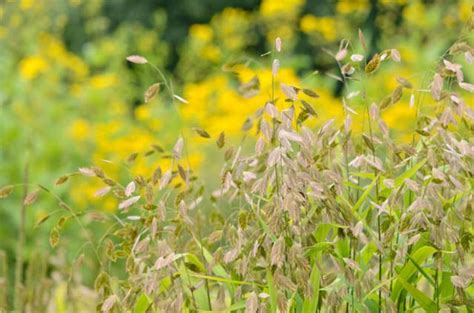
409 173
423 300
418 257
422 271
364 195
272 291
224 280
311 304
142 304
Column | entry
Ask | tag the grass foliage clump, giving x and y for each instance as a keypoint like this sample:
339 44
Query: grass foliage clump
311 219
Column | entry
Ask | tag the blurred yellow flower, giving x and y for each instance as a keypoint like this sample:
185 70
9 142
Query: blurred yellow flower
3 31
26 4
397 2
54 49
325 25
414 13
103 81
202 32
79 129
350 6
465 10
32 66
232 28
211 53
401 119
83 195
280 7
143 112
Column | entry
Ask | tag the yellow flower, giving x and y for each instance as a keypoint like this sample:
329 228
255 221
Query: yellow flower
211 53
465 10
309 23
325 25
79 129
3 31
201 32
31 67
103 81
26 4
54 49
415 13
350 6
83 195
143 112
280 7
401 120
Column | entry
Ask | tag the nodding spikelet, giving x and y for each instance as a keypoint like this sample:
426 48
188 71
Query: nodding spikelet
6 191
31 197
151 92
275 67
221 140
437 86
278 44
278 252
289 91
373 64
201 132
128 202
251 305
137 59
178 148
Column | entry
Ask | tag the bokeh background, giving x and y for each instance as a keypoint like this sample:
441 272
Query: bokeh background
69 98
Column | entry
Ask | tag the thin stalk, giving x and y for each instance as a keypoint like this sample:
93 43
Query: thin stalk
21 244
206 282
3 280
379 234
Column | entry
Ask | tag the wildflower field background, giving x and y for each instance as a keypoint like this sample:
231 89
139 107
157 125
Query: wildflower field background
248 156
